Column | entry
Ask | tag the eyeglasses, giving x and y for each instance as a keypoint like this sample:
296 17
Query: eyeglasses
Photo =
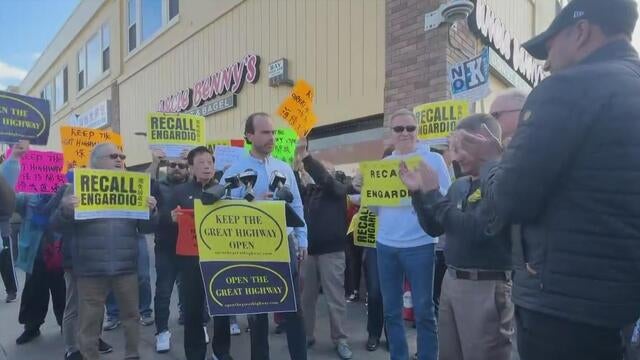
400 129
179 166
115 156
497 114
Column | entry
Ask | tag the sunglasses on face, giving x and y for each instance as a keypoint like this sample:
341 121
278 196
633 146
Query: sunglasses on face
179 166
115 156
400 129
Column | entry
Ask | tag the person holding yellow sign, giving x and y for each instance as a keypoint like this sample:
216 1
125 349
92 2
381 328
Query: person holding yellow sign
404 249
104 255
259 131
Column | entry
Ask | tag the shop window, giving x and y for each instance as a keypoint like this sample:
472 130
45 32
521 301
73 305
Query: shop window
82 65
146 18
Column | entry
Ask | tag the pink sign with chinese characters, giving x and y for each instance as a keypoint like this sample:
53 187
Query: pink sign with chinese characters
40 172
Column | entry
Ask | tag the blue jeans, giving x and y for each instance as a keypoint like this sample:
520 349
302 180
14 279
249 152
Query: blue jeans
417 263
167 274
144 284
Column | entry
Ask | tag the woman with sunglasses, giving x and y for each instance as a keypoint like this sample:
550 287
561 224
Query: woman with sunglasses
404 249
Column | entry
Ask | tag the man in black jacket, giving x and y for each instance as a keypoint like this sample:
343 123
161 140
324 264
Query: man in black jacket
200 162
475 312
325 212
570 176
165 245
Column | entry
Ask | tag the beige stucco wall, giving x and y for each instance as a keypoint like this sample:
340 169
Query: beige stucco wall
336 45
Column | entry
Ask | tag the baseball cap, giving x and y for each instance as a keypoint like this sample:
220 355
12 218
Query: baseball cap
617 15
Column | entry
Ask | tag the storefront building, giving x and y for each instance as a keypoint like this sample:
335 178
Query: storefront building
114 61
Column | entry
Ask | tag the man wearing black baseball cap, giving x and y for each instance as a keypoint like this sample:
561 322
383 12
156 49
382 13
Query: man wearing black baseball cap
570 176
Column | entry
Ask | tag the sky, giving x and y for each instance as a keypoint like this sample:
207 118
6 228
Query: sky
27 27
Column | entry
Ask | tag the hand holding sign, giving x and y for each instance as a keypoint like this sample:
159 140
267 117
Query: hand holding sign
18 150
152 203
69 203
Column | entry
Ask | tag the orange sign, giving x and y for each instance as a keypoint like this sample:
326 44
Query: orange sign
297 109
78 142
187 244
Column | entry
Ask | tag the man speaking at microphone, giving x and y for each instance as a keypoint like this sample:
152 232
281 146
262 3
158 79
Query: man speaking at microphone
259 132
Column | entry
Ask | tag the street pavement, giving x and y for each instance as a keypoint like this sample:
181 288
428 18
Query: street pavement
49 345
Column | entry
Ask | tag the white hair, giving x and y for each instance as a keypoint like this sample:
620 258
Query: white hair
518 96
96 153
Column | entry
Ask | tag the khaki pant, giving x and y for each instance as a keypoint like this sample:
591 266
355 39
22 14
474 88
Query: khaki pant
326 270
92 294
475 319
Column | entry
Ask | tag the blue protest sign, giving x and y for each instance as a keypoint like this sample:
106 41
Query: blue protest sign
24 118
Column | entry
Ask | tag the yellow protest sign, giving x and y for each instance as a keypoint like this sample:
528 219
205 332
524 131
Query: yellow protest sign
111 194
237 230
78 142
381 183
365 228
297 108
437 120
175 133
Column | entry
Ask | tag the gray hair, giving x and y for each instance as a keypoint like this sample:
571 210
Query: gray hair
518 96
96 153
402 112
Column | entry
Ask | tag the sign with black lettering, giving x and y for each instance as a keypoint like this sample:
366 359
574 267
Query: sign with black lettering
108 194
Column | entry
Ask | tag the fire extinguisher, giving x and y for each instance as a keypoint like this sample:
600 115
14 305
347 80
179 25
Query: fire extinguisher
407 303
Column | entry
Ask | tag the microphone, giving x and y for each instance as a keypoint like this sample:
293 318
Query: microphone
248 178
277 185
213 194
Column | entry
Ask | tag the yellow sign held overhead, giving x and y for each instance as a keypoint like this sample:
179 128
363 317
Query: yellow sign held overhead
297 109
437 120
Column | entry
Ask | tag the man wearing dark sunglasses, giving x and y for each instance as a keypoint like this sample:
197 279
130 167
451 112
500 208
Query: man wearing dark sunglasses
104 258
404 249
166 235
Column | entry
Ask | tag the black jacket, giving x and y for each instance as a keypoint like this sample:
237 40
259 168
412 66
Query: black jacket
464 217
571 177
166 234
325 210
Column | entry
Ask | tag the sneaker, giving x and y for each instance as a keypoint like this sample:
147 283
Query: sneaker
163 342
147 320
11 297
73 356
353 297
206 335
235 329
415 356
27 336
343 350
103 347
373 343
111 324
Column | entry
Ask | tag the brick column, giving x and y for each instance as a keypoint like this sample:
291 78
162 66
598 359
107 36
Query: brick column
416 61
